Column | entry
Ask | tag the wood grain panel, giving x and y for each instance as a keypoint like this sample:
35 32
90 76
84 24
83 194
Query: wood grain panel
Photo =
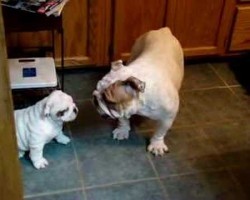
99 21
195 23
75 24
10 179
131 19
41 38
225 27
241 30
75 16
86 33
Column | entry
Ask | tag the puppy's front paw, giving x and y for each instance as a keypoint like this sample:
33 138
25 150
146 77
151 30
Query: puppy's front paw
157 147
21 153
42 163
63 139
120 134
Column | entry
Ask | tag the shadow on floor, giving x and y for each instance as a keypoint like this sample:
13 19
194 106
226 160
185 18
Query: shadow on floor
240 68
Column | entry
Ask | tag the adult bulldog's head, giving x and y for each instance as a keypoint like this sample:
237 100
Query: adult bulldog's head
117 99
60 106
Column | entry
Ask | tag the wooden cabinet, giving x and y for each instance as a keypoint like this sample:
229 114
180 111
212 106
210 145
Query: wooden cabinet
99 31
132 18
201 26
10 169
241 29
86 30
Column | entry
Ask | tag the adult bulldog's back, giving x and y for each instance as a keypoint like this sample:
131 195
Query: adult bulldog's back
159 50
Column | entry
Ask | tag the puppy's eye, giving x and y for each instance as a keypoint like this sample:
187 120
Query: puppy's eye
61 113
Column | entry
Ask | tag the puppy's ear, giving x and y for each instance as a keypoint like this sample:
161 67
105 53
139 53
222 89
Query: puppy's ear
135 83
46 110
49 101
116 65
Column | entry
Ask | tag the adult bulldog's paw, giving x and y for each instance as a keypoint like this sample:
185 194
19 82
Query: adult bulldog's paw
158 148
63 139
42 163
120 134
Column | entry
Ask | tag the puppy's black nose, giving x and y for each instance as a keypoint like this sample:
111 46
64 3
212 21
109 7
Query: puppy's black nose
75 110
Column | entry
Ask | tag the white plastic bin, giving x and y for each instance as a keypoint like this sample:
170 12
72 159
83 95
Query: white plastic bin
32 73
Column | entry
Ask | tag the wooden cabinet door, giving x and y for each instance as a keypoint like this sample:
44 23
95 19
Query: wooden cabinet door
87 29
241 30
201 26
130 19
10 175
86 33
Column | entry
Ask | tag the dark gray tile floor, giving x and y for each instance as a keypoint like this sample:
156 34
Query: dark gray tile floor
209 147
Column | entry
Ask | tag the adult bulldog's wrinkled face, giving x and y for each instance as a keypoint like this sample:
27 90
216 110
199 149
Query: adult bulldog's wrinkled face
60 106
114 100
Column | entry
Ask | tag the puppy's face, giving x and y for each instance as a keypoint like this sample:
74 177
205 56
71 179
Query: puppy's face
117 98
60 106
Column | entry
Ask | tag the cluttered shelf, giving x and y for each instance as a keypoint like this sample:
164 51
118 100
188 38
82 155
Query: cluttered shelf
37 16
43 7
18 20
33 16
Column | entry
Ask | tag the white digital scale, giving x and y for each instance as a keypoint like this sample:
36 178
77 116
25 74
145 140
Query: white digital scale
32 73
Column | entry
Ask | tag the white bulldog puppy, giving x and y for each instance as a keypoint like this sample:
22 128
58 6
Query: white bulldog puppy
148 85
40 123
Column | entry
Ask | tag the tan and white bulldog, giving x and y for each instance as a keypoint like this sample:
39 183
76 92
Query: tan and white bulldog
42 122
148 85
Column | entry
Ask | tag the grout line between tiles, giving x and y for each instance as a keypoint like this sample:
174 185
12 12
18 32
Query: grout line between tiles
52 193
209 88
227 169
220 77
78 166
194 172
83 100
201 124
173 128
196 125
229 87
183 90
235 181
158 177
203 89
121 182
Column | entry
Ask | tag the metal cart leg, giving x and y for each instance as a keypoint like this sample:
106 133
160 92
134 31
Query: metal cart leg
53 43
62 58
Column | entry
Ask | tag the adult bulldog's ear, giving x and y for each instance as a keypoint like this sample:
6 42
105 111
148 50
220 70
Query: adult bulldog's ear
118 92
136 84
116 65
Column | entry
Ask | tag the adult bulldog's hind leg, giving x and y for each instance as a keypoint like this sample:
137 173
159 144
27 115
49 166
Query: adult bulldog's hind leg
157 145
